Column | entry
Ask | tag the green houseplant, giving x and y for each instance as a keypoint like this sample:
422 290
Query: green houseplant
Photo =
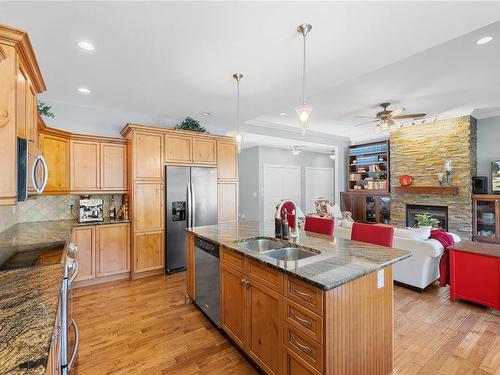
425 220
191 124
44 109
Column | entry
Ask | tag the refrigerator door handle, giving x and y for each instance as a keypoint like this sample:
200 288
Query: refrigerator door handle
188 205
193 207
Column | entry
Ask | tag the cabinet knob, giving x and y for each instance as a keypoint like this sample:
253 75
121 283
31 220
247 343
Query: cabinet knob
4 118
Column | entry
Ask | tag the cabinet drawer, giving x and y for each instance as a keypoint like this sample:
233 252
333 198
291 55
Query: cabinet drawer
304 320
305 347
233 258
295 365
267 276
304 294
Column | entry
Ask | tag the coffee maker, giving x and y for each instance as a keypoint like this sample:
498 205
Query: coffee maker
91 210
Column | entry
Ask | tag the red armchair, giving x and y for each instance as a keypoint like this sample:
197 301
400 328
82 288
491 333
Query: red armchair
382 235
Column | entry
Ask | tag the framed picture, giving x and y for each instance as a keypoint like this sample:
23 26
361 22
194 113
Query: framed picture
495 176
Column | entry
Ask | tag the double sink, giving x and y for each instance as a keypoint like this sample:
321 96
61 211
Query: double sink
275 249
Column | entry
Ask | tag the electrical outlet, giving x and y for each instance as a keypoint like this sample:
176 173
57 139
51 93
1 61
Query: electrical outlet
71 204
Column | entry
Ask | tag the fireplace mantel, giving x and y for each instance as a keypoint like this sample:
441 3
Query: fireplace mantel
436 190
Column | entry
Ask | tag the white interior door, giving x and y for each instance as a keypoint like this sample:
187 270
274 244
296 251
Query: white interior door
280 182
319 184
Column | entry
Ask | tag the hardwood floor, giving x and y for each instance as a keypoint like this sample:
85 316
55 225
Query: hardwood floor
144 327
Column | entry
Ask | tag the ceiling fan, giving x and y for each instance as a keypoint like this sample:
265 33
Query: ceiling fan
386 117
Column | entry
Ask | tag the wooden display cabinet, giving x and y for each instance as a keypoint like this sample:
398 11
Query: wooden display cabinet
368 167
486 218
374 207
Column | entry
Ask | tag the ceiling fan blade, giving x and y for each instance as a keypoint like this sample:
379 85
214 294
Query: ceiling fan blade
410 115
364 116
366 122
397 111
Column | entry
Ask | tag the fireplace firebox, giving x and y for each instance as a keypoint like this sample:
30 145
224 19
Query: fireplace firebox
438 212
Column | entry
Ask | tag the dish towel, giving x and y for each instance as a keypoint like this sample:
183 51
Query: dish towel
444 264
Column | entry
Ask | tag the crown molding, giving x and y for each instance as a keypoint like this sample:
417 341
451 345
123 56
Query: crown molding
20 40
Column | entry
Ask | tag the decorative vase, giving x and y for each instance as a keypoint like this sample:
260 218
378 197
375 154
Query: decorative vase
405 180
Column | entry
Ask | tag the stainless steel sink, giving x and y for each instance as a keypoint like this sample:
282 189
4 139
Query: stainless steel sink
260 244
289 254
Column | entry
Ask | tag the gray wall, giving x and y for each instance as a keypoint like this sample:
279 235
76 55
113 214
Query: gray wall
488 145
251 175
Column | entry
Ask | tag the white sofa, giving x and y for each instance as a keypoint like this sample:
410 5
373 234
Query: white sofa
417 271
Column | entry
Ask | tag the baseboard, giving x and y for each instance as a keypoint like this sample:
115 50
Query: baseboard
100 280
140 275
411 287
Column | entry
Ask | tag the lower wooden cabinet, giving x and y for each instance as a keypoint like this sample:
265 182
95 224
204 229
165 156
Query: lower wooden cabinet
54 361
148 251
103 252
234 305
112 249
84 239
265 327
294 365
191 264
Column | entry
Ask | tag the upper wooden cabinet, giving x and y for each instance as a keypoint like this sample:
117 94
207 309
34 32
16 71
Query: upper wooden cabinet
20 82
84 166
55 150
204 151
147 155
148 206
113 166
227 160
178 149
227 201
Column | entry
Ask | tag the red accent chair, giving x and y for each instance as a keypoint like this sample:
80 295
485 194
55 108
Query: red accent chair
319 225
382 235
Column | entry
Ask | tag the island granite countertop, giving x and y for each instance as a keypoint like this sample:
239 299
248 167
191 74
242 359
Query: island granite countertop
339 262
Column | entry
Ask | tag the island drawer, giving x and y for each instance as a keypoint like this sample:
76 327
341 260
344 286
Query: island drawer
304 320
265 275
304 294
233 258
303 346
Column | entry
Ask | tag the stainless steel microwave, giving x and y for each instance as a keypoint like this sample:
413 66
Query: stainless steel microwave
37 171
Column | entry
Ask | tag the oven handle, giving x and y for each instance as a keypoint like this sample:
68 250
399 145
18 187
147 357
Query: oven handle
77 342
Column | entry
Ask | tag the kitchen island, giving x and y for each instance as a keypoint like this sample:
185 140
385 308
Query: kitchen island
328 313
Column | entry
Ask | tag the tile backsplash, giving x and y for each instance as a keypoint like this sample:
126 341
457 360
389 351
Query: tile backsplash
56 207
8 217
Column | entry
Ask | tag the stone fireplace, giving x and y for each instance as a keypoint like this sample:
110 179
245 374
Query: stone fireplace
421 151
438 212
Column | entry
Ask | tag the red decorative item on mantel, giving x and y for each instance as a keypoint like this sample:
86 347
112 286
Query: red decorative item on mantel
405 180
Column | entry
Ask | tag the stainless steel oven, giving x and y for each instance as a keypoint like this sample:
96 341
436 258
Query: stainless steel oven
69 342
207 268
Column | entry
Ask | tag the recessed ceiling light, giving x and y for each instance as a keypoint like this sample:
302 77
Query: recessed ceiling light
283 114
83 44
206 113
484 40
83 90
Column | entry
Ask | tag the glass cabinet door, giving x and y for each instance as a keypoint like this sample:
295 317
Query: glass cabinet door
385 210
486 219
371 213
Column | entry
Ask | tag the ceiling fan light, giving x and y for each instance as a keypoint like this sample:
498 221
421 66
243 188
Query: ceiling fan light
377 129
296 151
303 113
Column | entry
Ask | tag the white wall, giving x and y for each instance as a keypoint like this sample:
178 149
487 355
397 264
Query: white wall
488 145
251 164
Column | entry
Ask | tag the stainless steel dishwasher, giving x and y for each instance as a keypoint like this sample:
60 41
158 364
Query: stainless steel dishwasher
207 267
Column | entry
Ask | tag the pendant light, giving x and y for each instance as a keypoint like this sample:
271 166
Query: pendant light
304 110
238 137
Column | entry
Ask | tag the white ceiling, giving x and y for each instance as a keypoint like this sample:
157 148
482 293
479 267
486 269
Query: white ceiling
174 59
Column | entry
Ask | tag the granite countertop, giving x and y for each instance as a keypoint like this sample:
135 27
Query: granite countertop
29 299
340 261
106 221
477 248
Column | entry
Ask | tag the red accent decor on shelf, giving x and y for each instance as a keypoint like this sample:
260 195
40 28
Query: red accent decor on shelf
405 180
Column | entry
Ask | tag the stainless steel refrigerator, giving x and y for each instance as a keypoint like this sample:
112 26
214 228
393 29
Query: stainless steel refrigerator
191 201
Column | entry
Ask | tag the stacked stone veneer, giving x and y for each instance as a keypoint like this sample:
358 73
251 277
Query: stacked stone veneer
420 151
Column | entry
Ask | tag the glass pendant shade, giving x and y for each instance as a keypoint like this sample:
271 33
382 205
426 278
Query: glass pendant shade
303 113
239 139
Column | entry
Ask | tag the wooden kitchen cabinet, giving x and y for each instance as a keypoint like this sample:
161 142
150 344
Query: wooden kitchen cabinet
112 249
234 305
204 151
84 166
227 202
54 361
113 167
21 88
55 150
178 149
295 365
84 239
148 203
265 327
148 252
147 155
227 160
